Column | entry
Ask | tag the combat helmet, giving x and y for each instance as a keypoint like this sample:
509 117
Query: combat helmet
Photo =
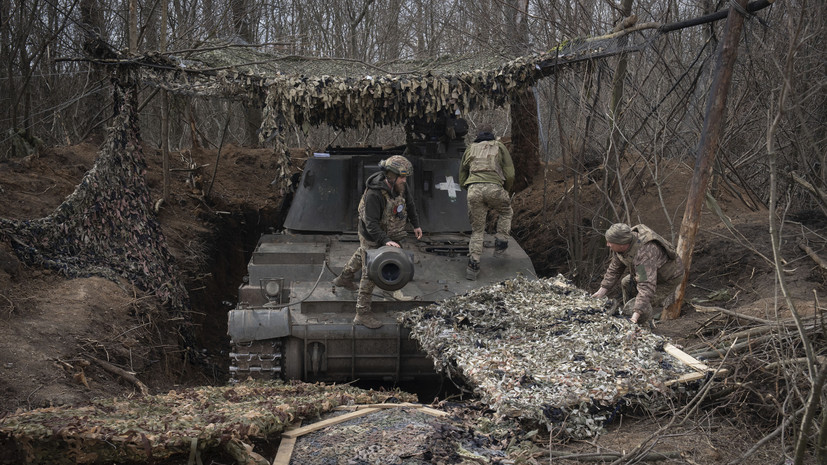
398 165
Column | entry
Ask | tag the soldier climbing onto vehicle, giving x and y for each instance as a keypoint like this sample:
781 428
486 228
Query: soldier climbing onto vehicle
655 271
487 172
385 209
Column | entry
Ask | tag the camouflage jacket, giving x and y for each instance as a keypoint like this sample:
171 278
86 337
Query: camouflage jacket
378 203
650 259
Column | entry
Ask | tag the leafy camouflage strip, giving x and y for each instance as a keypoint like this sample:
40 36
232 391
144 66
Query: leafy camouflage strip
301 92
158 427
306 91
544 350
106 227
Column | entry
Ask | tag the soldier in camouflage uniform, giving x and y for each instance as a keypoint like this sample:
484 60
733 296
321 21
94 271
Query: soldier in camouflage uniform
655 270
385 209
487 172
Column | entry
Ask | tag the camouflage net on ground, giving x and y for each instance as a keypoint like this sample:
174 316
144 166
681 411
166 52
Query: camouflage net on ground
545 351
106 227
203 420
396 436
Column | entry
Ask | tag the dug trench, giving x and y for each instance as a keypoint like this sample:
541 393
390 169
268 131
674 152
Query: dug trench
217 209
231 242
215 292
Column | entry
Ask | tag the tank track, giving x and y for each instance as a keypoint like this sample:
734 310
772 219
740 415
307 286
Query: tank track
257 360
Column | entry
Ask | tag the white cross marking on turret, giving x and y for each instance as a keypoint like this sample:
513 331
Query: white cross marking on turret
450 186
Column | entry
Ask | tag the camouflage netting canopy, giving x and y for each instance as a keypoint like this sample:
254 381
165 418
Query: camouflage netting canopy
204 420
306 91
346 93
545 351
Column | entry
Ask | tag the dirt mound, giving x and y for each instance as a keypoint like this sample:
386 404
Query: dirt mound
55 328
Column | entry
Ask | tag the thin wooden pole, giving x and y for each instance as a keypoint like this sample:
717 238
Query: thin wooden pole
708 147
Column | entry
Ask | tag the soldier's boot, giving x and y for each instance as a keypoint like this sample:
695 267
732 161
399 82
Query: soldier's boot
472 270
345 280
366 318
499 247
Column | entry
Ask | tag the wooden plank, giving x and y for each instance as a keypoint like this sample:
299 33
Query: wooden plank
423 408
364 406
433 412
685 358
695 376
325 423
285 452
692 362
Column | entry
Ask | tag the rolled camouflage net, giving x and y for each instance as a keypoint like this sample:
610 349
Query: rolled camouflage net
204 420
545 351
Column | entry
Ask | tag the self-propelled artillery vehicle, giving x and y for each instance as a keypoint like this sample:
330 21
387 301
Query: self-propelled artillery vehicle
291 322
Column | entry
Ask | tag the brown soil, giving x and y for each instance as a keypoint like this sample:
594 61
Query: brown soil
55 330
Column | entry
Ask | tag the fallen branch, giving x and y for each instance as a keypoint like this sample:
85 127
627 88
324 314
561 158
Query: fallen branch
811 253
122 373
715 353
733 313
794 361
645 447
606 456
752 332
11 304
820 195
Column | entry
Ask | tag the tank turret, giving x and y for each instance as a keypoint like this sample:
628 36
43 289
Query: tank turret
291 322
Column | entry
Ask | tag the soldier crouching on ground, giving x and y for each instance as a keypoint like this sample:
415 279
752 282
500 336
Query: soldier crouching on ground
655 271
384 211
487 171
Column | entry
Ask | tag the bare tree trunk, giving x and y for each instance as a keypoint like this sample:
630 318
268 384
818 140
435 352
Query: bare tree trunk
243 28
162 46
525 126
6 77
355 18
616 142
525 142
133 26
94 26
26 91
707 148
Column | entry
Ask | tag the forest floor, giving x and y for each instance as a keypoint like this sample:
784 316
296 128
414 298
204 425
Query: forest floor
57 334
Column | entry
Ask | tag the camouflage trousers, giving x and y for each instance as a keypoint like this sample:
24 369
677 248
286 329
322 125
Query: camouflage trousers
358 261
664 297
482 198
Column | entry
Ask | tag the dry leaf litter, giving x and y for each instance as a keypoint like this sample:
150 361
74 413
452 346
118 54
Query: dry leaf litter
545 351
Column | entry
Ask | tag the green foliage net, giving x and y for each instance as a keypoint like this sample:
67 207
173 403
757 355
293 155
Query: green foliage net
206 419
